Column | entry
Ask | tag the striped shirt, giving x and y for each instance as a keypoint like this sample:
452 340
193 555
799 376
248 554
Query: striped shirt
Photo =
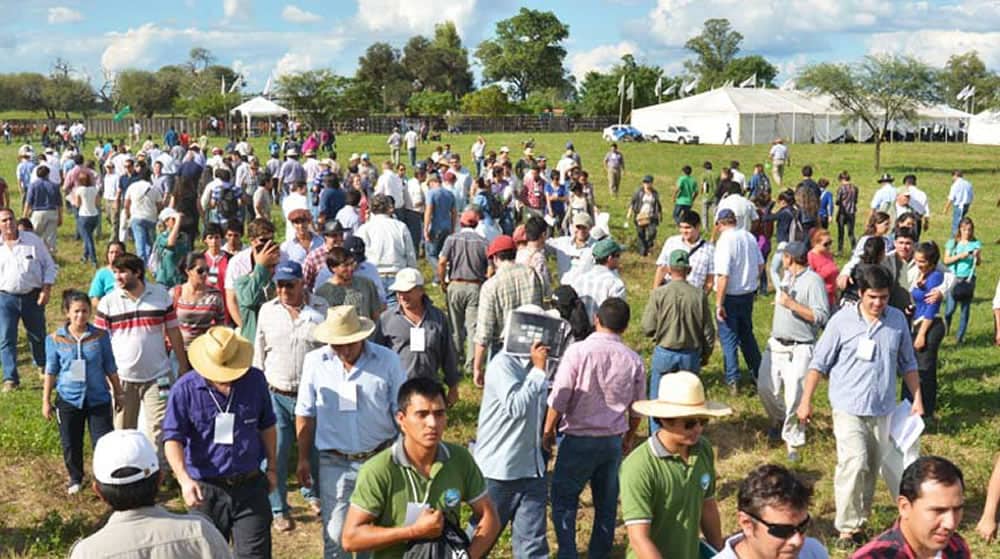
702 260
138 330
598 284
197 316
510 287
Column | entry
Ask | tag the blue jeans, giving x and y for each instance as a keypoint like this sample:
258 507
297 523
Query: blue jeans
390 295
957 213
24 308
669 361
143 231
581 460
413 156
522 501
432 249
963 315
284 411
337 477
85 226
736 332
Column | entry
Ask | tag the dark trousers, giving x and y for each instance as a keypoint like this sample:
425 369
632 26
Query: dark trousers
583 460
679 212
845 222
85 226
72 421
242 513
647 237
927 364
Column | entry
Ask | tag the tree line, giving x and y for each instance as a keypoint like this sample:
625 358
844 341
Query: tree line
523 72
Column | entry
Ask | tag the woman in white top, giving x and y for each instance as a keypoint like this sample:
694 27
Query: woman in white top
84 198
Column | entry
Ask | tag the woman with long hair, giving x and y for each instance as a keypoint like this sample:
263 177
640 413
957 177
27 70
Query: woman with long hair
821 261
199 305
962 255
84 198
928 330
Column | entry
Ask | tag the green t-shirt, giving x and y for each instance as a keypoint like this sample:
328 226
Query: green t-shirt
387 482
687 188
658 488
168 271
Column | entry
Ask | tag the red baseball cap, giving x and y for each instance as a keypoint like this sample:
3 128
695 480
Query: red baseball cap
500 244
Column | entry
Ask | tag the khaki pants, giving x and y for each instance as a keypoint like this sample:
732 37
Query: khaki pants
614 180
862 444
784 368
778 172
46 222
154 407
463 310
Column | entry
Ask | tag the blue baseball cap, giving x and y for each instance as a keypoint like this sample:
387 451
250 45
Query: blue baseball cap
288 271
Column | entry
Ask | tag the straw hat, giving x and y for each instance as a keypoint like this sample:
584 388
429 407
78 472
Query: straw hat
681 395
343 326
220 354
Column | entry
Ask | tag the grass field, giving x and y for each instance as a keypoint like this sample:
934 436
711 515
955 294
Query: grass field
37 519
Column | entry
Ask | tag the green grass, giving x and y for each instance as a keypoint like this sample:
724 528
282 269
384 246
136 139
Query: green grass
36 519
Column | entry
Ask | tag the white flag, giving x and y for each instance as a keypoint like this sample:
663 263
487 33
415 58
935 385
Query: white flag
621 86
729 83
972 91
690 86
670 90
223 90
267 87
659 86
750 82
630 94
789 85
236 85
962 95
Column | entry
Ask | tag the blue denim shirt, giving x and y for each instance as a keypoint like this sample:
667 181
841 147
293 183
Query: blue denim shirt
61 348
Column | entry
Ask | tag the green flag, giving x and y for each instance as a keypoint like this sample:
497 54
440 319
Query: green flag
126 110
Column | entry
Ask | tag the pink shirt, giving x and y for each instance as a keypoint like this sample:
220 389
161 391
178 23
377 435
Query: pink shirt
826 268
598 380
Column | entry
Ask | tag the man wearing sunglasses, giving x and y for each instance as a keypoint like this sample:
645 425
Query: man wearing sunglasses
773 518
668 483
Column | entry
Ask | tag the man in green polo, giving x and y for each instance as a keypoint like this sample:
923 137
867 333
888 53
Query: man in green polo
411 490
661 511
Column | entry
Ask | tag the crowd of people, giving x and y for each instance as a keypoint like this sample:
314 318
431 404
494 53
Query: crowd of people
244 347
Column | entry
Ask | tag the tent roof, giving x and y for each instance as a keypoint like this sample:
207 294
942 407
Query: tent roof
259 106
987 117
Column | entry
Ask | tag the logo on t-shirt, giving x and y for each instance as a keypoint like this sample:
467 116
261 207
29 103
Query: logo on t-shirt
452 498
705 480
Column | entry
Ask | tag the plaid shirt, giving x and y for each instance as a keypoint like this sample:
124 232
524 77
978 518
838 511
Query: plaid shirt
702 261
847 199
510 287
598 284
314 262
892 545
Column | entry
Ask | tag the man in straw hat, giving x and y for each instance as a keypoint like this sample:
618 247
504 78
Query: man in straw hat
668 484
219 427
346 407
885 196
127 476
597 381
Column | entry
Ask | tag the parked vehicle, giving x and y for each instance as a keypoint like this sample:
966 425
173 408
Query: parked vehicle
622 133
672 134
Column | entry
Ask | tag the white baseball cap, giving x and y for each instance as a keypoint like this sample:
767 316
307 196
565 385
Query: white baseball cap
124 448
407 279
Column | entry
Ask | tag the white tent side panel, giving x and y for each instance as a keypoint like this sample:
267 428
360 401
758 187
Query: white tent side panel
984 129
709 127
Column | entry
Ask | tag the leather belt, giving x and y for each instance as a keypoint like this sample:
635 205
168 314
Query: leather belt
233 480
786 341
456 280
360 456
287 393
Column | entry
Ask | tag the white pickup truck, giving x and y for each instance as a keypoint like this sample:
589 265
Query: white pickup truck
672 134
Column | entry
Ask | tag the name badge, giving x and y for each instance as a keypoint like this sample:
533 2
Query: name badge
418 339
78 370
866 349
413 511
224 424
347 396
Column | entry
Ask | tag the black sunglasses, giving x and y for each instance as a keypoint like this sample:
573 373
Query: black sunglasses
694 422
201 270
782 531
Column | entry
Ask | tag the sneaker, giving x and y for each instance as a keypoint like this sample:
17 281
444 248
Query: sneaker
10 386
73 489
734 389
283 522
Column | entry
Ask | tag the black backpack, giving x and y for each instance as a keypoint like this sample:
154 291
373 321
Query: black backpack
493 206
229 204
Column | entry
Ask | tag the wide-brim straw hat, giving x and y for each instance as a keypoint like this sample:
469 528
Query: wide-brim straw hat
220 354
343 326
681 394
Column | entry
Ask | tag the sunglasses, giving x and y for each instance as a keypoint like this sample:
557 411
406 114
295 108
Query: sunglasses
782 531
828 244
200 270
694 422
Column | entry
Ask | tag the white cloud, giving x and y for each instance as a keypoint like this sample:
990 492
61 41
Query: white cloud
412 17
62 14
600 58
293 63
936 46
295 14
236 9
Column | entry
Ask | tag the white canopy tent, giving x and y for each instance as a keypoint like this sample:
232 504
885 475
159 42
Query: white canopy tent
259 107
758 116
984 128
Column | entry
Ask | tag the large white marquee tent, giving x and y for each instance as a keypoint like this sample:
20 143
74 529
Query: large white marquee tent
758 116
984 128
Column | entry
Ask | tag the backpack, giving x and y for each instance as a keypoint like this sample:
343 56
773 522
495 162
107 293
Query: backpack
797 230
229 204
493 207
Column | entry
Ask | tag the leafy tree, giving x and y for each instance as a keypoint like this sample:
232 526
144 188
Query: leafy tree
879 90
744 67
441 64
433 103
488 101
147 93
382 76
526 53
963 70
62 93
599 91
199 58
319 96
715 48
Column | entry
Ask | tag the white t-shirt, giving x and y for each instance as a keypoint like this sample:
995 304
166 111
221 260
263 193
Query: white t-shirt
738 257
779 153
111 187
390 184
960 193
738 177
143 198
411 139
811 549
88 200
746 212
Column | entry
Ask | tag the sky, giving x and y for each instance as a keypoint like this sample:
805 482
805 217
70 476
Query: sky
263 38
